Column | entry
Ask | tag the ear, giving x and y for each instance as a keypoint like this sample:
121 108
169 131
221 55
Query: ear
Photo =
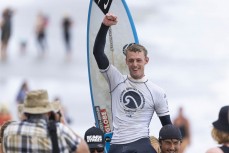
146 59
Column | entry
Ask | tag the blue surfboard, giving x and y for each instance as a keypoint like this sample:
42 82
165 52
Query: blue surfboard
119 35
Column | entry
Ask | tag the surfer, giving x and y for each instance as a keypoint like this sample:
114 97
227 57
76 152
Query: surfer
134 97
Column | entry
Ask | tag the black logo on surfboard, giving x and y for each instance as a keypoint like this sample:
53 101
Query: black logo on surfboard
104 5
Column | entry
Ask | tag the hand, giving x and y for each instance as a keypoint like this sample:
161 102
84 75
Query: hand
110 19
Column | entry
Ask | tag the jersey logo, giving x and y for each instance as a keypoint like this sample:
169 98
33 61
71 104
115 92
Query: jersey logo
104 5
132 100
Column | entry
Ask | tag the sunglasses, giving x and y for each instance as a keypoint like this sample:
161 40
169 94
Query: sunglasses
92 150
126 46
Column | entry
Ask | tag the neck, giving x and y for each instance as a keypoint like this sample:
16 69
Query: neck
35 117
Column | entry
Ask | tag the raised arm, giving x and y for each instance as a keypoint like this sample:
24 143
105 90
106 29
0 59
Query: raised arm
100 41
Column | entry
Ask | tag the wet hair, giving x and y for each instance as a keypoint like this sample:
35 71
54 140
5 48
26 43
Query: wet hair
133 47
220 136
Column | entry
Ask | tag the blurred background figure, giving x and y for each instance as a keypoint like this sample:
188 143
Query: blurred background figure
5 25
3 127
5 114
183 124
41 26
66 26
62 113
22 92
22 46
20 114
220 132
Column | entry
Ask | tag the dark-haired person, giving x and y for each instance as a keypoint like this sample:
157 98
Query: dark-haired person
5 26
134 97
170 139
220 132
95 139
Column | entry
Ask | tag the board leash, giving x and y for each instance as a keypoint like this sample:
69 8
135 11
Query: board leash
111 44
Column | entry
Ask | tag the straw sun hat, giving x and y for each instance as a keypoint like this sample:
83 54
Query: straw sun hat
37 102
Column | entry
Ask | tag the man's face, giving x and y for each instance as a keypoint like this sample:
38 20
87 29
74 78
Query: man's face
136 63
170 145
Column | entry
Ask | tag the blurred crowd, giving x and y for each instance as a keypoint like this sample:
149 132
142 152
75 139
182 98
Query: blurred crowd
37 112
41 26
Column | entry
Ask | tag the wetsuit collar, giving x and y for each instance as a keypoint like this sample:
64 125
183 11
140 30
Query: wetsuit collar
142 80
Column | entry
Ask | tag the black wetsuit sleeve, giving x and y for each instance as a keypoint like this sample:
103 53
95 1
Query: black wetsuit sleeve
98 50
165 120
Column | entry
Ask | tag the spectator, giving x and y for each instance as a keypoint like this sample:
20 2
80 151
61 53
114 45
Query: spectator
220 132
41 26
5 26
36 133
95 139
183 124
66 26
170 139
5 114
22 92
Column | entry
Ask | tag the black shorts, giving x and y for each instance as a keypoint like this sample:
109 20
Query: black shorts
140 146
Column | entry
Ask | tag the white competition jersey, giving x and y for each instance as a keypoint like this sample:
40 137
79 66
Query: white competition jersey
133 105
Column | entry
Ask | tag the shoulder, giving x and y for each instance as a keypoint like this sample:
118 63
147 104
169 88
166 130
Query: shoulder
214 150
9 127
65 130
155 88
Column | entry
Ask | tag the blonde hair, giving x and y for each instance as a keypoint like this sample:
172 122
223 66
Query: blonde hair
133 47
155 143
220 136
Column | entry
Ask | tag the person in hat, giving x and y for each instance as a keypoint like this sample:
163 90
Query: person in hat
170 139
33 134
95 139
220 132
